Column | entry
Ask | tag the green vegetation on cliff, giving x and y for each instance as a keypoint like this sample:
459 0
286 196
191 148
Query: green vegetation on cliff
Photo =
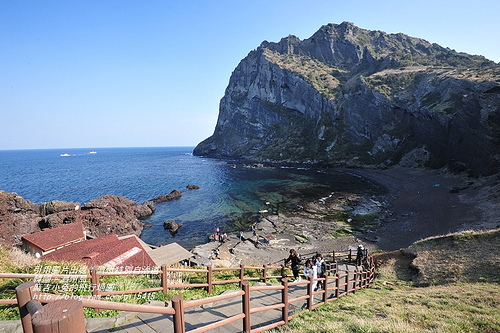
318 74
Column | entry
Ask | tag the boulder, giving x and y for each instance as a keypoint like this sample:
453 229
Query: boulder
175 194
192 187
172 226
57 206
145 209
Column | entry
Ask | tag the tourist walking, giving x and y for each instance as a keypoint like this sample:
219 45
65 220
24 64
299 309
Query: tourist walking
321 269
294 259
310 270
359 254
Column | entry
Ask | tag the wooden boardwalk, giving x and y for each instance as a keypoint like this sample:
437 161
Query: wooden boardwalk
207 314
252 308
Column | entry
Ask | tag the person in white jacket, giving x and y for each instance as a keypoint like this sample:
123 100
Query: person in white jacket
320 269
311 269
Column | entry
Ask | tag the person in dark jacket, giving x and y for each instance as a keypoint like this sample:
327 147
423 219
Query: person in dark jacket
359 254
294 259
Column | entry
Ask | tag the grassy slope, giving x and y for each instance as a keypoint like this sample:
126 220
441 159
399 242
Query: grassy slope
418 297
410 294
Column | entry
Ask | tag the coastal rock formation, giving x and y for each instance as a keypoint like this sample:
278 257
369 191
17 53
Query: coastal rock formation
105 215
56 206
172 226
351 96
122 206
175 194
17 218
102 216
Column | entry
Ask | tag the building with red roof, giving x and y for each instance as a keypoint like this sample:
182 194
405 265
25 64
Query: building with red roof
48 240
108 251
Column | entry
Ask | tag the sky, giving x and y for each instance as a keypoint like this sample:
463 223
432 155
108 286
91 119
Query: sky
101 73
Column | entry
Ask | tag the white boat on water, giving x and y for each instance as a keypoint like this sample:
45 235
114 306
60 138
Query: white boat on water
64 155
93 152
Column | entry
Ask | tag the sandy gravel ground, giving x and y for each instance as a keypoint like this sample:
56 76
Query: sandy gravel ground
423 205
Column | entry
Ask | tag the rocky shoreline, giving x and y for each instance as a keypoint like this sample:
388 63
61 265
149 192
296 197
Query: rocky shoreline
419 204
102 216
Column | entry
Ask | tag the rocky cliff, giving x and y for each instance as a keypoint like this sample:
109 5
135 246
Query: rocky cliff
355 97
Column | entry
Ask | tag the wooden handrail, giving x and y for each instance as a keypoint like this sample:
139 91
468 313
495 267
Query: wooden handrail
345 283
220 323
203 301
32 276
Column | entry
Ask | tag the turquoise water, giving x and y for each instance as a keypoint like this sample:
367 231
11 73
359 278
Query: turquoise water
229 197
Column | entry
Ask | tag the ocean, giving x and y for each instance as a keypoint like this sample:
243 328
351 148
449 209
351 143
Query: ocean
230 195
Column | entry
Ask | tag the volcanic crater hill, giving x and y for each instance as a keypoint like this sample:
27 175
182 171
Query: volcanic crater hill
357 97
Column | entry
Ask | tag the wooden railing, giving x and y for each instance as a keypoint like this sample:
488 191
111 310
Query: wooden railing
163 273
335 283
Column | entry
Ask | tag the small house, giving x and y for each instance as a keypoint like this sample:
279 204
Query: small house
49 240
107 251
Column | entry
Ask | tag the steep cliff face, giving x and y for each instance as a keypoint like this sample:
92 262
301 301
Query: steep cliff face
353 96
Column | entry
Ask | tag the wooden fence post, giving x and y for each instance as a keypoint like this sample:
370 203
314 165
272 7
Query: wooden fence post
33 306
242 275
164 278
24 294
355 280
209 279
284 300
94 285
310 293
178 305
325 287
333 256
347 283
337 286
264 273
60 316
246 306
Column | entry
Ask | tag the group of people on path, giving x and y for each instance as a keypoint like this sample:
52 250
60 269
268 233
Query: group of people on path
218 236
314 267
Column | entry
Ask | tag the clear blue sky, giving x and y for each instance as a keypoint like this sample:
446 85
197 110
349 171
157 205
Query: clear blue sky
98 73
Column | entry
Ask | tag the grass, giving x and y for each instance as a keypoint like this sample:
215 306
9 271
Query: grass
469 256
405 297
318 74
448 308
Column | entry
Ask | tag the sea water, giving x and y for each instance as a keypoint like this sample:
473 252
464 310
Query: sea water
229 197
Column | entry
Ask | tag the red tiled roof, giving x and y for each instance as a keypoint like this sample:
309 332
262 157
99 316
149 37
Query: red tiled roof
49 239
107 250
